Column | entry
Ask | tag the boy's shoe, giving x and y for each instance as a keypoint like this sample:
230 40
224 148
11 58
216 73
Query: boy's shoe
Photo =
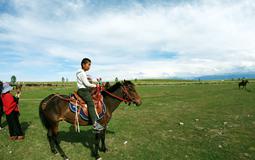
98 127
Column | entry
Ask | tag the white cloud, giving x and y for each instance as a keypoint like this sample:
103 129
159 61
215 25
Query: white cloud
206 37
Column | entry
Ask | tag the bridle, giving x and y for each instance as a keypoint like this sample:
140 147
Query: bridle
126 97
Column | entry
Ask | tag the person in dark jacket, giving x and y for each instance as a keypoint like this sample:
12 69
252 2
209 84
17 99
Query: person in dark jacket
1 105
11 109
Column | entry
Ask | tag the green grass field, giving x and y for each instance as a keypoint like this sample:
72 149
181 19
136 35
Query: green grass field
208 121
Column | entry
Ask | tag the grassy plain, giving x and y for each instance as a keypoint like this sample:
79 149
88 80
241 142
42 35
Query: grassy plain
178 120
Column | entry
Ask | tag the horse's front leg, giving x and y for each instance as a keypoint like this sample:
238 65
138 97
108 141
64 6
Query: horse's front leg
97 156
103 147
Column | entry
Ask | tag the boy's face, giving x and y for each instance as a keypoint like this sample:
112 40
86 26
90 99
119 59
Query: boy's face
86 66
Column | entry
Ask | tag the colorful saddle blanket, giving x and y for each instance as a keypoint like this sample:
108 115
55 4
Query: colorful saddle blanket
76 104
85 115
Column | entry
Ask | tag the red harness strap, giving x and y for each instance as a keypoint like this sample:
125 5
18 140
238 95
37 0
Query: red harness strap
119 98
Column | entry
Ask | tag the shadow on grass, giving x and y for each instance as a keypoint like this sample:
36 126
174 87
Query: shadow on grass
86 138
24 126
248 90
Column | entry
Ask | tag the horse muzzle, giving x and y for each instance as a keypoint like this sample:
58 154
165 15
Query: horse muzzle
138 102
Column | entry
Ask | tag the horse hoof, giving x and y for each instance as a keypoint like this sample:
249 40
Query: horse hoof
54 151
104 150
98 157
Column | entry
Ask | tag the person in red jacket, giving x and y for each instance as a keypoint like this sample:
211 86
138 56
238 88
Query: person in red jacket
11 109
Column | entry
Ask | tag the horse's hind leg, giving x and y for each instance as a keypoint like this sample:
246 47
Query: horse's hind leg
55 139
51 142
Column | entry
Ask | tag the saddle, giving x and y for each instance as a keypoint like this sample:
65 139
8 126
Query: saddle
77 104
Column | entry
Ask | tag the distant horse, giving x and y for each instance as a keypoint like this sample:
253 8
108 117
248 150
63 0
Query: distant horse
243 83
54 109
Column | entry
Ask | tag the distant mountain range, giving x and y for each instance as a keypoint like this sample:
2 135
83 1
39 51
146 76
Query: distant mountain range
227 76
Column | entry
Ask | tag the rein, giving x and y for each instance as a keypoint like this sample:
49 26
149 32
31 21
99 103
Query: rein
117 97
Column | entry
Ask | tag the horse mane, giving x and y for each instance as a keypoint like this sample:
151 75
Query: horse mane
116 86
112 88
128 83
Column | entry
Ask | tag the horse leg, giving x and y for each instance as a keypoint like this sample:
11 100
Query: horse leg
51 142
55 139
98 135
103 147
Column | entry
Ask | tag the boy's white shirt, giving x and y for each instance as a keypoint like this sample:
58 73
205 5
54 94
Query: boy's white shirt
82 79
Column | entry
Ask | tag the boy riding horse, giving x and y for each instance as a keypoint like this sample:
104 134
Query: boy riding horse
83 91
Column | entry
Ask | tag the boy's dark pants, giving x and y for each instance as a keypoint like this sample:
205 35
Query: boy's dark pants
85 95
14 125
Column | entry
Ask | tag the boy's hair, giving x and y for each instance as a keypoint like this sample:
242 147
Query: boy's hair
85 60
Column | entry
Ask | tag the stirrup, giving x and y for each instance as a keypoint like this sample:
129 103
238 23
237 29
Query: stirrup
98 127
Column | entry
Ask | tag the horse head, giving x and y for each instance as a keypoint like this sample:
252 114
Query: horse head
130 94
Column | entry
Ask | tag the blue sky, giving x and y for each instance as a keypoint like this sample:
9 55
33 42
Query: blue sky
46 40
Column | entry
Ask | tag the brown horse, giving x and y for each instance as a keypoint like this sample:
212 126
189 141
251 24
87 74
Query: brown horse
54 109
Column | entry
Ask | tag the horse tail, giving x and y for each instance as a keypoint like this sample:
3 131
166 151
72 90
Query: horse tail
45 121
